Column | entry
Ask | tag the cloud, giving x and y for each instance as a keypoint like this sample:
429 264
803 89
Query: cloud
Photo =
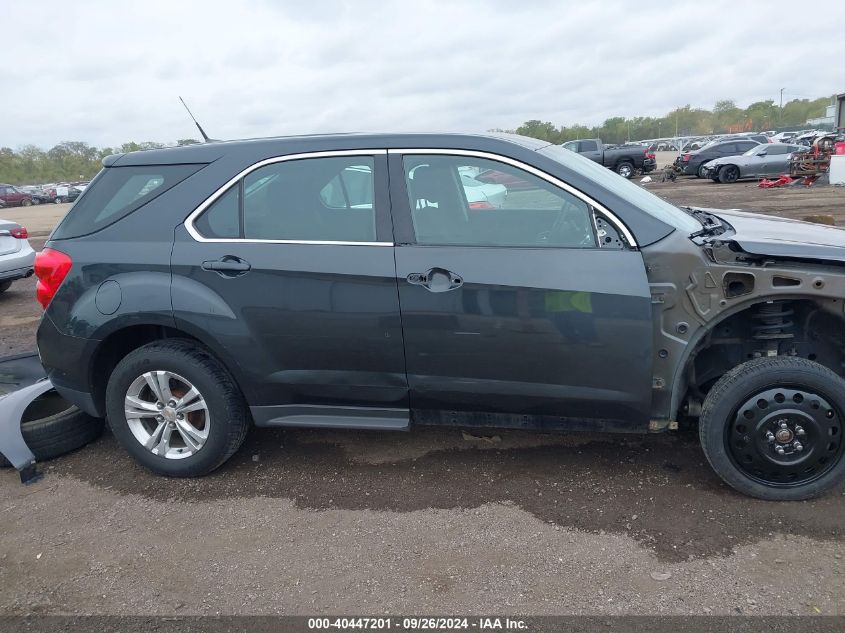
260 68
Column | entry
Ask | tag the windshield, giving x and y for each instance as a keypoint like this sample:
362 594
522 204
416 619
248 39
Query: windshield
624 188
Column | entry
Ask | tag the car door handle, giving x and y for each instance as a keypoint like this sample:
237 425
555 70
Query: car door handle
228 266
436 280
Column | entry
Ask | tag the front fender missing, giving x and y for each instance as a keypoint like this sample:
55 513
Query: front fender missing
22 377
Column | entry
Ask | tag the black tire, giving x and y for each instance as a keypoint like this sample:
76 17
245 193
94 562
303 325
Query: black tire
746 404
5 285
52 427
729 174
26 202
700 173
229 419
36 201
625 169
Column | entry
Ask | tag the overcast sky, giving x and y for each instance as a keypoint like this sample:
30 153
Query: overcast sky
109 72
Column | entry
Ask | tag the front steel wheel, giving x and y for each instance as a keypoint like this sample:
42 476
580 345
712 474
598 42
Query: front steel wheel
772 428
167 414
785 437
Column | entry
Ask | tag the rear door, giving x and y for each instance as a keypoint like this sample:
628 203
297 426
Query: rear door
727 149
288 269
516 310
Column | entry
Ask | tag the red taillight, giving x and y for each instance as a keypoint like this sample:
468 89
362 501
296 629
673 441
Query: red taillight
20 233
51 268
686 158
649 155
483 204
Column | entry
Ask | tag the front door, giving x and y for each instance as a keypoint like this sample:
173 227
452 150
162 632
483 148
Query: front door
775 160
512 313
290 273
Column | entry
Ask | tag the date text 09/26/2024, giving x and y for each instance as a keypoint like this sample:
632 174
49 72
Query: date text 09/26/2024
417 623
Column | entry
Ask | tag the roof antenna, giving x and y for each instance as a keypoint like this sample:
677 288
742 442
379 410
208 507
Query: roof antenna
199 127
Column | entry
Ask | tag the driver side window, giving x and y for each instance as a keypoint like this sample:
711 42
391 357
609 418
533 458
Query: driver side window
463 200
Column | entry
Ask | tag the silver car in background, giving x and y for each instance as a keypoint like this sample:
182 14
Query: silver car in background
766 160
16 255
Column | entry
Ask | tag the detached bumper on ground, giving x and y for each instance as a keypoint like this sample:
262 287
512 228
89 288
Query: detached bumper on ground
22 379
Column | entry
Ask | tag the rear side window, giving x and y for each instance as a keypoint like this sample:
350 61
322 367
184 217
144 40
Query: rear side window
118 191
315 199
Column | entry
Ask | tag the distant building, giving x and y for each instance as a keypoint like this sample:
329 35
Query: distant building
828 119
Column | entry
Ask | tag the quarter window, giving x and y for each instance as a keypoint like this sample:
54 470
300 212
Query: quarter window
222 218
480 202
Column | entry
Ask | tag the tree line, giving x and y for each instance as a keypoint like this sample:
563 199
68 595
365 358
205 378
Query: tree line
69 161
76 160
686 121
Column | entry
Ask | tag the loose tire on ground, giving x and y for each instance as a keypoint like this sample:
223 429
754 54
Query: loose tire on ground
753 400
52 427
228 418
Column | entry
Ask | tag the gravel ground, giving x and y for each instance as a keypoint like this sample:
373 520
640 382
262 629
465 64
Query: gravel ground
432 521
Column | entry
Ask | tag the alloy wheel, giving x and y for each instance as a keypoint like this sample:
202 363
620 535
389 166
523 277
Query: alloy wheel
167 414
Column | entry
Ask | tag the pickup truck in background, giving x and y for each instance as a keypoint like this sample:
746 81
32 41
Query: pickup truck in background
625 160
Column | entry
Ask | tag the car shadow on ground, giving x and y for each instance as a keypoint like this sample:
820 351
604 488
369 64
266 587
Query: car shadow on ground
657 489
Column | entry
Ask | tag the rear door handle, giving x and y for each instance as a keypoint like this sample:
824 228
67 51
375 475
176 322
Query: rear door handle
228 266
436 280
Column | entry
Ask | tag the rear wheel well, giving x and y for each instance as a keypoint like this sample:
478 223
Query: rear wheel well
117 345
805 328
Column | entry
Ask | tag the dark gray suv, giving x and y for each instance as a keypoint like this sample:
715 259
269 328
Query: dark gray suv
372 282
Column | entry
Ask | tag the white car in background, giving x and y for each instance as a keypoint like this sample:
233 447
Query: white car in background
16 255
483 195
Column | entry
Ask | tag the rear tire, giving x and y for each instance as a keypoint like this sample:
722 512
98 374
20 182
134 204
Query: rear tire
224 421
625 169
700 172
25 202
772 428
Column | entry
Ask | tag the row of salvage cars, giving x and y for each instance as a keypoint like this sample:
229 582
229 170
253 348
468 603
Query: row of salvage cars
728 161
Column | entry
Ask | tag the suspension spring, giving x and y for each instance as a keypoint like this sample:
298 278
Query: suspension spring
773 321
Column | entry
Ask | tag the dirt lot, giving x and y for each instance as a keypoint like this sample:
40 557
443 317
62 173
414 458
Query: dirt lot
429 521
